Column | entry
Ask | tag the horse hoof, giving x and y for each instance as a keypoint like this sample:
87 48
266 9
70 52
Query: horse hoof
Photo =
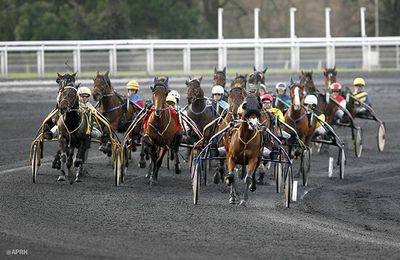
253 188
78 179
61 178
77 162
177 171
142 164
232 200
216 178
153 182
243 203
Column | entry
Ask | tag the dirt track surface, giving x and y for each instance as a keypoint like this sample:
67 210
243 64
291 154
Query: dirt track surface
358 217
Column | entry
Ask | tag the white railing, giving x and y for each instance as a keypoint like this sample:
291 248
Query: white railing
222 47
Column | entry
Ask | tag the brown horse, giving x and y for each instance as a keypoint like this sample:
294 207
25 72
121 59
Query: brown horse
161 130
327 108
73 132
329 76
111 104
255 79
297 117
243 145
197 109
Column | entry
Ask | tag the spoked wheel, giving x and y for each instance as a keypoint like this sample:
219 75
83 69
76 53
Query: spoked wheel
342 163
117 168
195 180
288 186
358 142
381 136
35 161
278 176
305 165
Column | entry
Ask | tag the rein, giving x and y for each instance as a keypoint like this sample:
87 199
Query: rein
297 120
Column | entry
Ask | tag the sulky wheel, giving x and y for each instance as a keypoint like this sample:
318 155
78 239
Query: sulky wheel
288 186
278 176
117 168
342 163
196 167
358 142
35 161
305 165
381 136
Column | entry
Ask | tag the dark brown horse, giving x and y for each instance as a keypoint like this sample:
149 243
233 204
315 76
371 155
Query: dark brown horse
197 109
219 77
161 130
74 132
327 108
111 104
243 145
329 76
297 117
255 79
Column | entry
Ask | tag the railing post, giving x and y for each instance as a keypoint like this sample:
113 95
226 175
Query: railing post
77 59
221 48
113 60
4 72
365 53
295 52
40 62
397 57
186 61
150 60
258 50
330 48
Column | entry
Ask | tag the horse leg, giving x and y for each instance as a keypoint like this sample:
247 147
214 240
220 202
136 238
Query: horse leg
219 172
63 158
56 164
143 152
156 161
250 181
177 141
261 174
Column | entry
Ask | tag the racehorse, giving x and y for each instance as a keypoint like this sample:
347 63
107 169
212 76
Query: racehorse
243 145
297 117
161 130
219 77
256 78
111 104
329 109
197 109
74 132
329 76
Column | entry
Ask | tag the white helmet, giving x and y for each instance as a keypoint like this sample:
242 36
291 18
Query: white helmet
217 89
280 85
84 91
311 100
175 94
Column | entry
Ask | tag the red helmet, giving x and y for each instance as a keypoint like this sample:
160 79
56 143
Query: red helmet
267 97
335 86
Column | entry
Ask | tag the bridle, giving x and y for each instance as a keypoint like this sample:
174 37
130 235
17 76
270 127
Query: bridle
74 101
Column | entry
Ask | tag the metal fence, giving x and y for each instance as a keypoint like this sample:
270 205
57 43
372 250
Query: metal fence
186 56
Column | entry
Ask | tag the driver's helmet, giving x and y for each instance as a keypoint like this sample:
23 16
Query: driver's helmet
133 85
335 86
266 97
84 91
359 81
311 100
175 94
217 89
280 86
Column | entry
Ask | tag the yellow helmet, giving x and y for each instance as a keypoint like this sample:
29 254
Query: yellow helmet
84 91
171 98
133 84
359 81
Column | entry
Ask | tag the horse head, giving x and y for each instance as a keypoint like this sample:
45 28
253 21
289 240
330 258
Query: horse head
65 80
257 77
68 99
239 81
251 111
101 86
297 95
160 91
219 77
308 82
194 90
329 76
236 97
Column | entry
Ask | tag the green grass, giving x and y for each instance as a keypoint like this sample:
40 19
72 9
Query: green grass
207 72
